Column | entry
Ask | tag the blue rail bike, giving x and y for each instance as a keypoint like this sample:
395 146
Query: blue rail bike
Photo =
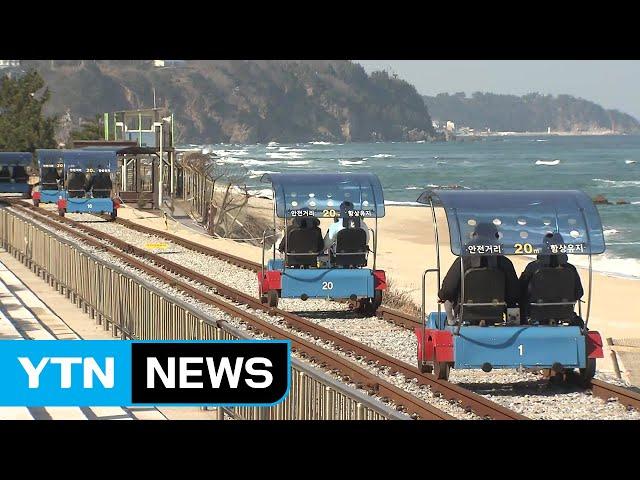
14 173
88 182
543 331
332 266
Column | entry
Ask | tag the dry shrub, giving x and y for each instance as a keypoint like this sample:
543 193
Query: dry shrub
399 299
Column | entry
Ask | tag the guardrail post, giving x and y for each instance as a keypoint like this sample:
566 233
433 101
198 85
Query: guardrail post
614 358
329 403
360 412
300 392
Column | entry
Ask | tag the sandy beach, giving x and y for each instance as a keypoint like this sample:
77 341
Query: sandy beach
406 248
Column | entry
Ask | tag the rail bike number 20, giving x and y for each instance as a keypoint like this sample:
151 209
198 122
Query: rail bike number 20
327 285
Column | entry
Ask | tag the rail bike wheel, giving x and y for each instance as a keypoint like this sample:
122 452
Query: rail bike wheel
441 370
587 373
272 298
424 367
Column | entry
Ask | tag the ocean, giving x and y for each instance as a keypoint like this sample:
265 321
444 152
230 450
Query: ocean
599 165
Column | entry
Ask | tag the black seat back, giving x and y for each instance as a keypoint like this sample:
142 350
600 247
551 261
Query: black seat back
552 285
20 174
303 245
5 174
76 185
101 185
350 248
483 283
49 179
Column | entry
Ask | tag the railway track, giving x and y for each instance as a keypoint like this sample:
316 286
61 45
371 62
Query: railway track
416 407
599 388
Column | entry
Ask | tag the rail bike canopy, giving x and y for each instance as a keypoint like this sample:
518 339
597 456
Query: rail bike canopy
519 222
15 159
89 161
49 158
322 194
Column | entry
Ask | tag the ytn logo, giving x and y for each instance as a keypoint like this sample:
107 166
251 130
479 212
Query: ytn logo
90 369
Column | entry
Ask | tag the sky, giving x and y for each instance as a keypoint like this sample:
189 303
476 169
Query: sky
610 83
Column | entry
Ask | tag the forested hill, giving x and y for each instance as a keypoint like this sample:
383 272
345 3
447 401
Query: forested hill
246 101
529 113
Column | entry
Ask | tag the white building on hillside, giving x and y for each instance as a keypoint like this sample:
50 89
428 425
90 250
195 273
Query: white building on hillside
9 63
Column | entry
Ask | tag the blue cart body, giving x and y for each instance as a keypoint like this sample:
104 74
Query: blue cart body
514 346
332 283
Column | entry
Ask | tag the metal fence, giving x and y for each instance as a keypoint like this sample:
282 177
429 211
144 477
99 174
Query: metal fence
197 191
133 308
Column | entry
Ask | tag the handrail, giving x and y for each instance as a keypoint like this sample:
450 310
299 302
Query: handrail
134 308
423 308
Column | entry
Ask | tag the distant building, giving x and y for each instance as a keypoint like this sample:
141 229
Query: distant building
169 63
9 63
451 127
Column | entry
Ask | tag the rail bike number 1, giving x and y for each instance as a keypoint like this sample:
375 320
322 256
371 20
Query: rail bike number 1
327 285
521 350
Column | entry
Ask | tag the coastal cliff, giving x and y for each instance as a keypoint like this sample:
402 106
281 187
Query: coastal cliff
246 101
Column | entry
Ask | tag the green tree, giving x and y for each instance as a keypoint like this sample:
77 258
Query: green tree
23 125
88 131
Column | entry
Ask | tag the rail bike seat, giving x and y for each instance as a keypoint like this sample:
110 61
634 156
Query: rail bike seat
350 249
484 292
101 186
20 174
552 284
5 174
303 246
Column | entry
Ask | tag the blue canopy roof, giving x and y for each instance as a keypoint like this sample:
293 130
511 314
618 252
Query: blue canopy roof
15 158
520 222
322 194
89 160
48 157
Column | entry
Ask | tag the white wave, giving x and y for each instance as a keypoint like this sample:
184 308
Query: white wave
420 141
610 231
629 162
253 162
635 203
321 143
383 155
610 265
412 188
260 172
289 149
541 140
618 183
227 153
441 163
262 193
271 144
406 204
271 148
548 162
298 162
351 162
284 154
